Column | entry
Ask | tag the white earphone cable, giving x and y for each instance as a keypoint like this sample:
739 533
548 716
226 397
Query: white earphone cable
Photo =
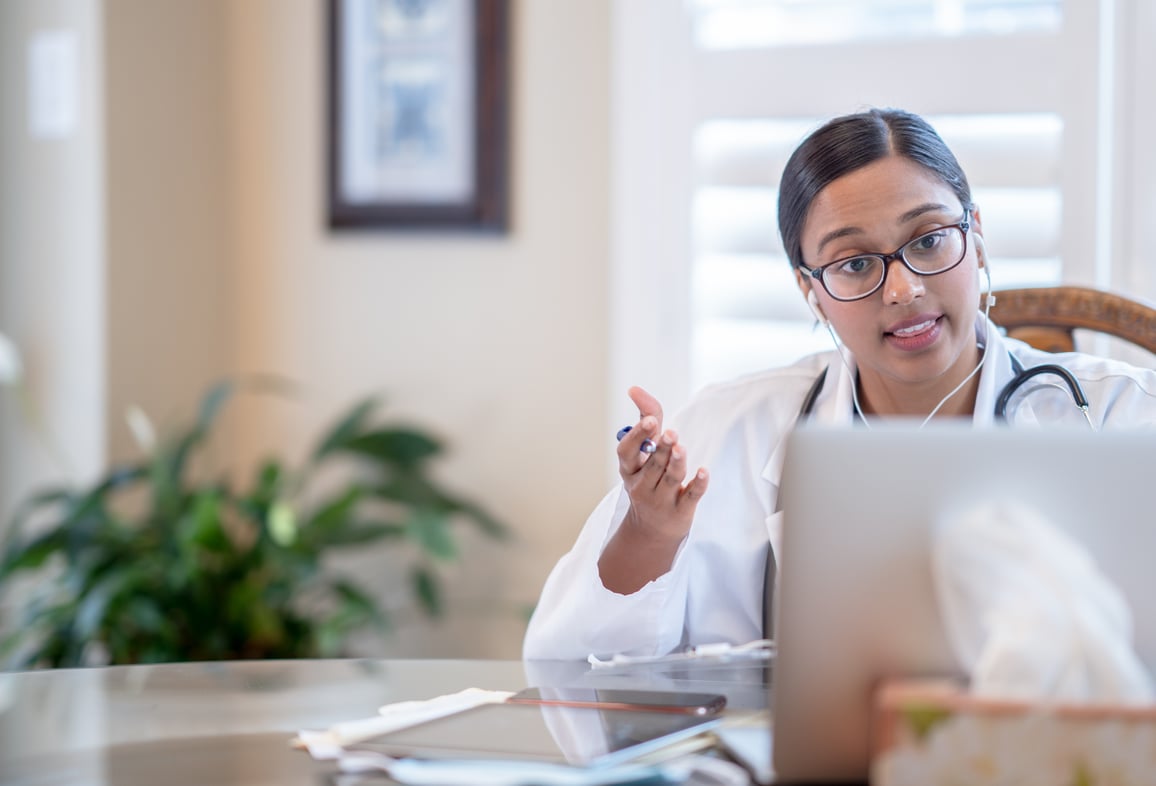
983 355
850 373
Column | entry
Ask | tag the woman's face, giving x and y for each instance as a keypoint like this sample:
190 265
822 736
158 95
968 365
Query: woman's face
915 336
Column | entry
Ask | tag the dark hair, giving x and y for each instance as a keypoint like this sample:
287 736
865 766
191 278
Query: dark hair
848 143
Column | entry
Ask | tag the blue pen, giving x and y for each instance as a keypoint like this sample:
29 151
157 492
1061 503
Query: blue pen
647 445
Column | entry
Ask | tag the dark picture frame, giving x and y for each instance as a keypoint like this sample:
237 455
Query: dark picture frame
417 114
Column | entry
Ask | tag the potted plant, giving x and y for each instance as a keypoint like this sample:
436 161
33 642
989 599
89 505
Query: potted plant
151 564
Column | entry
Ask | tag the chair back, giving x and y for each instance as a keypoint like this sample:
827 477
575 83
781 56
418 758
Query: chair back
1046 316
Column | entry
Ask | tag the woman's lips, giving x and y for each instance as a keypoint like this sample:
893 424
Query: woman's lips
916 334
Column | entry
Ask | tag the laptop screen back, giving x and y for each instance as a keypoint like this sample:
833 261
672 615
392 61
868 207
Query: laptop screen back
856 599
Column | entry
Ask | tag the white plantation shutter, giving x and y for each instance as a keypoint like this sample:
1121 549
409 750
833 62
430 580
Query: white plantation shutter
1035 97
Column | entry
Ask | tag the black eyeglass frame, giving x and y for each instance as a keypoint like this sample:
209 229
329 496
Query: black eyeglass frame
816 273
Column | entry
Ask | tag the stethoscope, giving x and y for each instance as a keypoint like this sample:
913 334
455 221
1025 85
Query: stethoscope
1022 375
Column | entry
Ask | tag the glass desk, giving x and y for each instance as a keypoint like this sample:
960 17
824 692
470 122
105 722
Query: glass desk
231 723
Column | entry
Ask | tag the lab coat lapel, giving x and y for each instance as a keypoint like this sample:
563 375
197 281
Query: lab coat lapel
996 373
832 407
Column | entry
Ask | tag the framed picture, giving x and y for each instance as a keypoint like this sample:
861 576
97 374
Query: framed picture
418 114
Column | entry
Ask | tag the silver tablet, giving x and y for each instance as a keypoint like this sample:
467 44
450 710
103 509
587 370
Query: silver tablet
578 736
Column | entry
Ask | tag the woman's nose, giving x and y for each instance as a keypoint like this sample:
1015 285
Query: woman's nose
902 286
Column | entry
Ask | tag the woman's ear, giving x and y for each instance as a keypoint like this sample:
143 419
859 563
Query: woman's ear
808 290
977 235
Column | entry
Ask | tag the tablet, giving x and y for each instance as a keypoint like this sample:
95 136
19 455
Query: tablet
580 736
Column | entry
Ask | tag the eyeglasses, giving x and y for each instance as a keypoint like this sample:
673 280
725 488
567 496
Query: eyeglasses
934 252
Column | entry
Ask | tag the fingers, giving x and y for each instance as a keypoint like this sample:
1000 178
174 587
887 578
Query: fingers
692 492
659 499
631 456
673 474
632 448
663 473
667 465
646 403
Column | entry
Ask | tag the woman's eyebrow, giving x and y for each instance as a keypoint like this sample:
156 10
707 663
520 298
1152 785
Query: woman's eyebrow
928 207
836 234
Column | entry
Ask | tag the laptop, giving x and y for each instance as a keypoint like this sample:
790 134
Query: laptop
856 600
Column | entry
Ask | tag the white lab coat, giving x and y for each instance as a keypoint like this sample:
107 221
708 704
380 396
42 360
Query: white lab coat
714 590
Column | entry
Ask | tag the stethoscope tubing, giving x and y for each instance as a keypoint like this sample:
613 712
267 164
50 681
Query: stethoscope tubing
1023 375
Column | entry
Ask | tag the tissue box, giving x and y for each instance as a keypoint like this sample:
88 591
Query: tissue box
934 733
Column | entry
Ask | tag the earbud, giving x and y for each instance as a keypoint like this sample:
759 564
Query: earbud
979 246
813 302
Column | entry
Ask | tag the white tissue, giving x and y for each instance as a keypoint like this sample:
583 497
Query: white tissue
1029 615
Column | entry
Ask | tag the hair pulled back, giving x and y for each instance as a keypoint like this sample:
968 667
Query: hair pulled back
851 142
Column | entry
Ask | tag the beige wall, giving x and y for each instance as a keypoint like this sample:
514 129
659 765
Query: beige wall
498 343
219 261
168 201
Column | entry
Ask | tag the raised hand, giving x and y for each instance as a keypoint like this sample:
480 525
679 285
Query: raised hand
662 502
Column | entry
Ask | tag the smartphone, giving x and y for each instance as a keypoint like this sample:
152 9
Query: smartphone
624 699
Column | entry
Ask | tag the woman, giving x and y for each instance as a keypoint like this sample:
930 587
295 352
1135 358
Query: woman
887 246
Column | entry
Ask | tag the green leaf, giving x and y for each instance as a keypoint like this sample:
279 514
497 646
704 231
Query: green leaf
265 628
166 474
415 489
121 477
486 523
90 614
394 446
410 488
329 637
431 529
336 513
201 527
49 497
88 513
8 646
213 402
347 429
357 605
282 523
32 554
427 589
144 615
354 533
268 480
354 610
